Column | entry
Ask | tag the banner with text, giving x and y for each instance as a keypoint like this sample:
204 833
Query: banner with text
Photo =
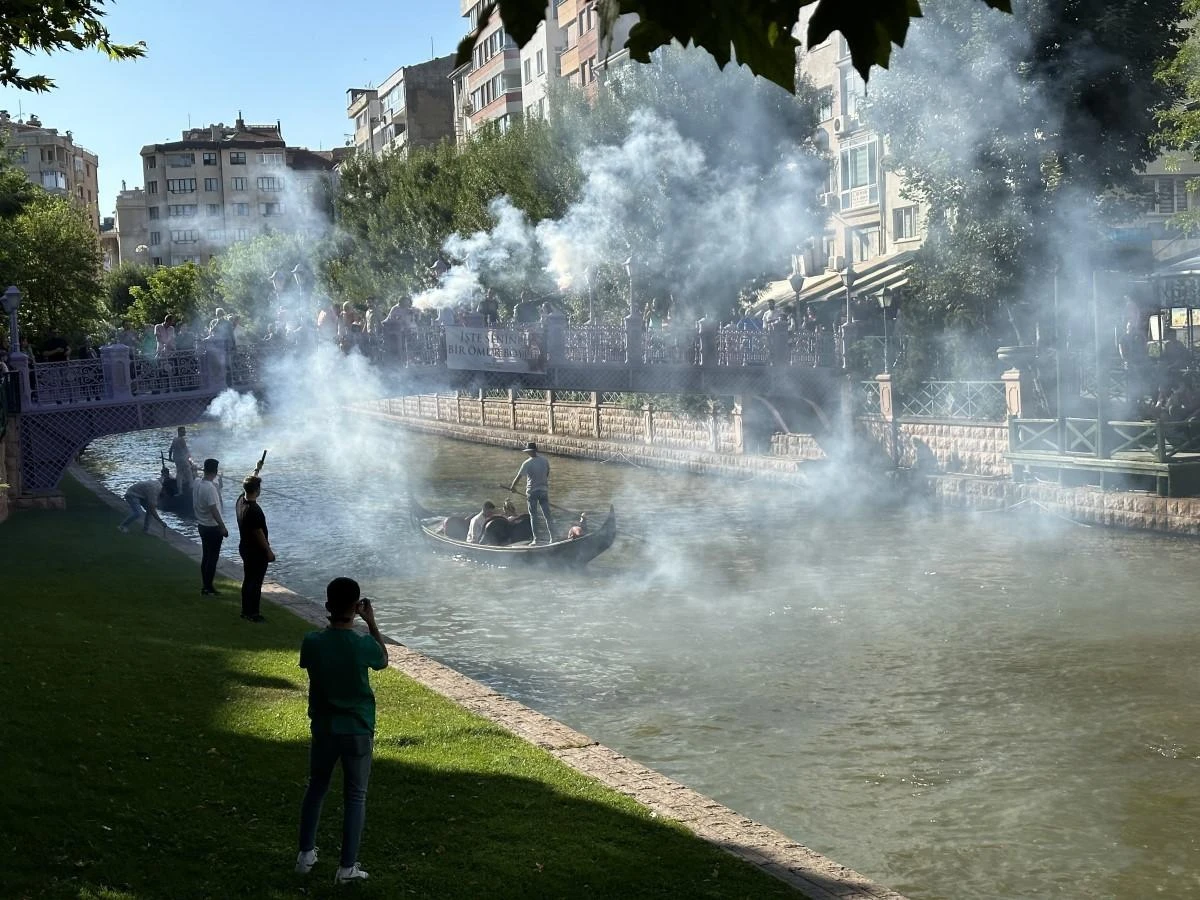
494 349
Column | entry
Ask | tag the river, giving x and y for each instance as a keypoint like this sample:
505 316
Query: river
989 706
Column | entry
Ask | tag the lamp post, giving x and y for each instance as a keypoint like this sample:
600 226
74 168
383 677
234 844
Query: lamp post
10 300
847 277
885 304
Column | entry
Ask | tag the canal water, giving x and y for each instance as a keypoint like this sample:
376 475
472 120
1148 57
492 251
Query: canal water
959 706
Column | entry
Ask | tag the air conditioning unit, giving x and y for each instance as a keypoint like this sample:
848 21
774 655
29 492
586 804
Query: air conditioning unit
828 200
836 263
844 124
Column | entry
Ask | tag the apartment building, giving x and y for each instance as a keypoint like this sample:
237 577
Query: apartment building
539 63
487 88
585 54
216 186
413 107
54 161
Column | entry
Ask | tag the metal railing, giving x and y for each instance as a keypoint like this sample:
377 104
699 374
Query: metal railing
743 348
595 344
671 348
173 372
866 399
1161 441
981 401
72 381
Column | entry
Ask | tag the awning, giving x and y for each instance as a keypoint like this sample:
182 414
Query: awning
870 278
779 291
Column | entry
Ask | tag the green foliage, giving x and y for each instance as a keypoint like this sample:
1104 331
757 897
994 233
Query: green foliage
50 252
33 26
241 274
755 33
169 290
1013 188
117 282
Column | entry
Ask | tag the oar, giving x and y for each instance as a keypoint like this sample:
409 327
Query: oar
571 512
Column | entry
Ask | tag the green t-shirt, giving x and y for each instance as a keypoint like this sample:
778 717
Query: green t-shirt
340 699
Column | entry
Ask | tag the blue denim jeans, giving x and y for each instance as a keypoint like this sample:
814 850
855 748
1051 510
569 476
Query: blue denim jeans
137 508
539 500
354 751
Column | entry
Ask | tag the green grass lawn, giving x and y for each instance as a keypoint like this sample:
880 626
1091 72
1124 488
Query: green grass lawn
153 744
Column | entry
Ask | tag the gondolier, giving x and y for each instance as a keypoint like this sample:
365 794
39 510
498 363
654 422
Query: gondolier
536 472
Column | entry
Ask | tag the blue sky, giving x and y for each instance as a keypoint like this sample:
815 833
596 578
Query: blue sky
272 59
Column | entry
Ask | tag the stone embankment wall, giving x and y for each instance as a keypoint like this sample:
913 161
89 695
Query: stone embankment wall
955 447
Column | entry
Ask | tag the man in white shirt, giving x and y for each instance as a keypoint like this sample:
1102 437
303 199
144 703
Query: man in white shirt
143 498
182 457
210 522
164 336
475 529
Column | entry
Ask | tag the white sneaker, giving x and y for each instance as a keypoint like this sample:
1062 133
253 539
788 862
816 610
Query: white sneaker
122 529
354 873
305 861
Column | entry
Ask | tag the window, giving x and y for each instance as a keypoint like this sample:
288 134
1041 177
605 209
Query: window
184 260
181 210
212 184
155 238
237 158
270 183
865 243
210 159
825 105
528 71
156 260
859 174
854 89
270 159
1170 195
185 236
181 160
214 209
239 184
541 62
269 209
151 187
904 223
54 181
153 212
21 155
181 185
241 209
216 236
151 162
242 234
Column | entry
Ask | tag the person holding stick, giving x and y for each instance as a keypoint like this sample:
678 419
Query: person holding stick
536 472
254 545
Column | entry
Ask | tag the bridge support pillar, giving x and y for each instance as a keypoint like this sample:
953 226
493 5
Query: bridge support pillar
886 406
114 361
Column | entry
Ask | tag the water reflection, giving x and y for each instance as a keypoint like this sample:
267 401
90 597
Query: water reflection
985 706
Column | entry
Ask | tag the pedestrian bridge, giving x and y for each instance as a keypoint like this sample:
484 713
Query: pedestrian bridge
56 409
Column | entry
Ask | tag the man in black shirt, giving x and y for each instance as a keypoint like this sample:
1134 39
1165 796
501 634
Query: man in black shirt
254 547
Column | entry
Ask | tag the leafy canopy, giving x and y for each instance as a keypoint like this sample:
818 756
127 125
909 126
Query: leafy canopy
30 26
755 33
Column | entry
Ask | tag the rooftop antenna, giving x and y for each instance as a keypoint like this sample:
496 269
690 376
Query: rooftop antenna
431 53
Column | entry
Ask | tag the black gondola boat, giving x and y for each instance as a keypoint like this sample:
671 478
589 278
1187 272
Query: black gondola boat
571 553
172 499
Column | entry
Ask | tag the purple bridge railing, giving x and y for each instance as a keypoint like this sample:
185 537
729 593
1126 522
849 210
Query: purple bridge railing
60 407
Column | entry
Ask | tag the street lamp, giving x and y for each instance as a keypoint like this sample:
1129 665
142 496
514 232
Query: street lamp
885 304
629 271
847 277
10 300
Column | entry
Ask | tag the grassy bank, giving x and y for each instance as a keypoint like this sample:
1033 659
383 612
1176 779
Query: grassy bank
155 745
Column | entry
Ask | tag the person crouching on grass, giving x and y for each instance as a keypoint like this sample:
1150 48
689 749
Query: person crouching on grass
254 547
341 706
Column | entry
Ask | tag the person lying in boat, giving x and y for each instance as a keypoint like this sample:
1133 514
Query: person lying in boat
579 529
479 522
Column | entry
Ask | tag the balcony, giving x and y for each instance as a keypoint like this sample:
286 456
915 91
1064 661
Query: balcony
568 61
566 11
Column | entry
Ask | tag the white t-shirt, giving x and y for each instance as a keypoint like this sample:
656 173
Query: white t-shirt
475 529
204 495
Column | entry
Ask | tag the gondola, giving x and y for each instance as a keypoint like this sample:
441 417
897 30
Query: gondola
569 553
172 499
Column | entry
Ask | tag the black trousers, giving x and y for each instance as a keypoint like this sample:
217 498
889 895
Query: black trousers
210 541
255 568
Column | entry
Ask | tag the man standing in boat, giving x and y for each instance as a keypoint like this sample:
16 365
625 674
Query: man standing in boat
536 471
182 457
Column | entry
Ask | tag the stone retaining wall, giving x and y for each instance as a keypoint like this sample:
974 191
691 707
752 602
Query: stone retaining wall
955 447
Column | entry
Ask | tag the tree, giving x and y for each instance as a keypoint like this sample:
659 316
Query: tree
170 290
241 274
32 26
1016 186
116 285
50 252
1179 125
755 33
